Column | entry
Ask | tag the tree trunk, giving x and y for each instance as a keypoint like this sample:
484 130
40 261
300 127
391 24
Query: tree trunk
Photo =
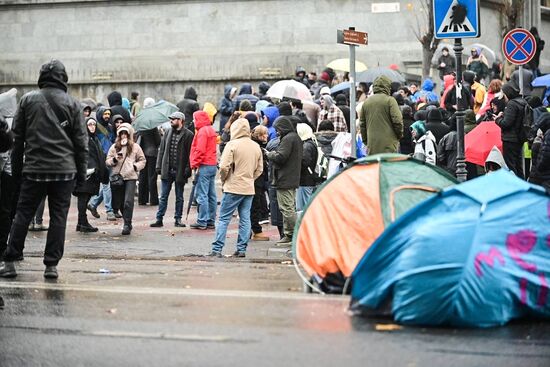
427 55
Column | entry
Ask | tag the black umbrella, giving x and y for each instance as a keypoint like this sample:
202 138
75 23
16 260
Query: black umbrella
191 197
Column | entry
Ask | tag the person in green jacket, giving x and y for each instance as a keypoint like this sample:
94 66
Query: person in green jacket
381 119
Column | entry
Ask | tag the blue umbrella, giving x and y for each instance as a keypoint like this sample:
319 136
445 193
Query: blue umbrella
470 256
541 81
340 87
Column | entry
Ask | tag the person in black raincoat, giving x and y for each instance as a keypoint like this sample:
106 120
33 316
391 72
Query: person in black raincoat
189 105
85 190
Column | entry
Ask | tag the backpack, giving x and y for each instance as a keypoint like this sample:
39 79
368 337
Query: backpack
527 132
321 169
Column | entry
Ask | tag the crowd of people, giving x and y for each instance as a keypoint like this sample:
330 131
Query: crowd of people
270 154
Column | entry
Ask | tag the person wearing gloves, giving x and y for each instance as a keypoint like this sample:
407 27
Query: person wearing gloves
96 164
126 159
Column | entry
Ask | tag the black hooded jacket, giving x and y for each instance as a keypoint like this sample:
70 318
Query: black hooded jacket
96 160
511 123
245 93
287 159
6 136
115 102
189 105
48 145
540 174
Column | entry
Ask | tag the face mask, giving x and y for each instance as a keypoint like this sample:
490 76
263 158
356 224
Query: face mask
124 141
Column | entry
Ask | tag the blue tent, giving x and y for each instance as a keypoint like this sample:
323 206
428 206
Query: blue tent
543 82
475 255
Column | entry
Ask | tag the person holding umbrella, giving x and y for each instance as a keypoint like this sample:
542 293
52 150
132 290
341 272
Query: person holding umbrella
173 166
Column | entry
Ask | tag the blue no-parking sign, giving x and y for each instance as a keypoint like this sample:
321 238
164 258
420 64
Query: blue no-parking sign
519 46
456 18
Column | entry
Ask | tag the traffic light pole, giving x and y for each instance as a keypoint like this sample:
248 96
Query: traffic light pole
461 173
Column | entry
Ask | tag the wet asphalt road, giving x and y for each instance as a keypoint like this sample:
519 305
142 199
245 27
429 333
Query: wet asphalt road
222 313
148 300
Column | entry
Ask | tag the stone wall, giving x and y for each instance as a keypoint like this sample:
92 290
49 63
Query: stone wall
161 47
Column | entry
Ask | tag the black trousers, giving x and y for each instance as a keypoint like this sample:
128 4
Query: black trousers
123 199
59 201
7 205
512 157
257 211
148 190
82 204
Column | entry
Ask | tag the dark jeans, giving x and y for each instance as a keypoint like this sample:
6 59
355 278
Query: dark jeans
166 186
123 199
512 157
7 204
38 217
148 192
82 204
258 209
59 194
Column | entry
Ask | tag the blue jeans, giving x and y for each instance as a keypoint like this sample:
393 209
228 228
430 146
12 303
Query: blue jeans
166 186
104 195
303 194
206 195
230 202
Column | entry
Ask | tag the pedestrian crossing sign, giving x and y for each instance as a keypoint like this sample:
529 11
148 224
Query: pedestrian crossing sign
456 18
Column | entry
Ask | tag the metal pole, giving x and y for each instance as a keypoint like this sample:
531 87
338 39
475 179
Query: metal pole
461 173
521 80
353 127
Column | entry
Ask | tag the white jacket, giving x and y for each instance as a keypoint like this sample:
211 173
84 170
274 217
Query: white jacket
425 148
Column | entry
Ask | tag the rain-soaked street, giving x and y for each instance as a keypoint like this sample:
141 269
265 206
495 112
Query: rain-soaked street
147 301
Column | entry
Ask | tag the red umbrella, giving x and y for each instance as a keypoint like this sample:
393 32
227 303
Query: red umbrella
479 142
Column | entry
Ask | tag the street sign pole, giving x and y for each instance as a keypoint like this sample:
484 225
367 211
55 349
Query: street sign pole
352 103
457 19
461 173
352 38
521 80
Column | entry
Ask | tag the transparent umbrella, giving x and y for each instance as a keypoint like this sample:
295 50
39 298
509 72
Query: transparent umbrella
289 89
370 75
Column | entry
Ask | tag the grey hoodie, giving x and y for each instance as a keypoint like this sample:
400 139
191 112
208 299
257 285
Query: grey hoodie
495 156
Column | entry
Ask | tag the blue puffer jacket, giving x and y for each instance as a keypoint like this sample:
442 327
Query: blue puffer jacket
271 113
427 92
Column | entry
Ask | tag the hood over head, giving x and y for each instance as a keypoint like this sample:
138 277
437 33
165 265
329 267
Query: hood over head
469 76
510 91
448 80
271 113
435 115
99 115
283 125
227 91
382 84
245 105
341 100
261 105
252 119
246 88
428 85
211 110
421 115
495 156
263 87
399 98
304 131
285 109
114 98
53 75
240 129
88 102
201 119
126 127
328 101
190 93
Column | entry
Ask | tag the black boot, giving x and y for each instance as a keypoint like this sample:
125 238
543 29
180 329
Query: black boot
126 229
86 227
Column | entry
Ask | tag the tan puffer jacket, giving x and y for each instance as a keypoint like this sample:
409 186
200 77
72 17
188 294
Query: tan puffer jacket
133 162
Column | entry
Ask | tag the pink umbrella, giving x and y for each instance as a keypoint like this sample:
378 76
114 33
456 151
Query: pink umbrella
479 142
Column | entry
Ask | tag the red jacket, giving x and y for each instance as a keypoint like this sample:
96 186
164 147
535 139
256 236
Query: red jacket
203 149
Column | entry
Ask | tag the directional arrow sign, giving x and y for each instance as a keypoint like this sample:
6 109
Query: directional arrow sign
351 37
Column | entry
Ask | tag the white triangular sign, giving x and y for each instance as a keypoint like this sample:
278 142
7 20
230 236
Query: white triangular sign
447 28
